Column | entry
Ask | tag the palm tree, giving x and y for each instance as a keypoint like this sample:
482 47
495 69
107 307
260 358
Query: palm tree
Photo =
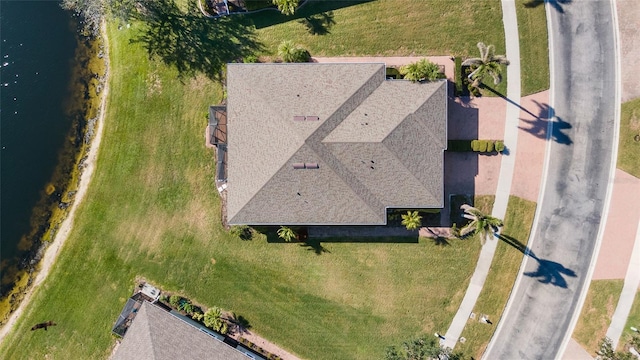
412 220
286 233
487 64
292 53
287 7
481 223
213 320
421 70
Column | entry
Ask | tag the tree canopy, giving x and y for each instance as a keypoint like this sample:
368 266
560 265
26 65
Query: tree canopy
488 64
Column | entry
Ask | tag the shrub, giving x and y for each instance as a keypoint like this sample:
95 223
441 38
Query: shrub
475 145
482 146
490 145
164 298
421 70
499 146
244 232
292 53
250 59
174 301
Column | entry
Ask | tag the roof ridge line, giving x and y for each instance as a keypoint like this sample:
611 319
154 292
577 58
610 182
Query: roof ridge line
334 120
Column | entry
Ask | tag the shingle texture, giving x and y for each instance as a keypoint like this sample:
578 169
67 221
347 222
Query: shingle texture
378 143
157 335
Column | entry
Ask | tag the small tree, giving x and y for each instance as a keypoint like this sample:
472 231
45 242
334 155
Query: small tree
487 64
286 233
606 351
412 220
213 320
287 7
481 223
421 70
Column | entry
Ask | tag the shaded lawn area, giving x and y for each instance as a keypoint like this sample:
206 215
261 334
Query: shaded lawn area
629 150
152 211
595 317
534 47
388 28
502 275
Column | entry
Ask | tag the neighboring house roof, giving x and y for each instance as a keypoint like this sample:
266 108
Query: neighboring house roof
155 334
377 143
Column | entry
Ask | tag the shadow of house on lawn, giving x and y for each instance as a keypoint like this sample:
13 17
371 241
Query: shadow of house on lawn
309 9
191 42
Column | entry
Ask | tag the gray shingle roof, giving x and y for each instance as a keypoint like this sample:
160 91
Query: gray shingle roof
156 335
378 143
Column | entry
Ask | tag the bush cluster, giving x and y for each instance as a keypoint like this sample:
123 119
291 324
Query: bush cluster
487 146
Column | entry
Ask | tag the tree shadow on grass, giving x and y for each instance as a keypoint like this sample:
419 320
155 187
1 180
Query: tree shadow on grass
191 42
548 272
309 8
318 24
316 246
241 325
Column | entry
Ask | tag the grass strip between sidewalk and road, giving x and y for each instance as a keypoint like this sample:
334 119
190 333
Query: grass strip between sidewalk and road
595 317
501 278
534 47
629 149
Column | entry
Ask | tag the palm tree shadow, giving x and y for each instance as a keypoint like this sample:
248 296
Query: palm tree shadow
241 325
539 126
551 272
556 4
440 241
548 272
318 24
315 246
510 240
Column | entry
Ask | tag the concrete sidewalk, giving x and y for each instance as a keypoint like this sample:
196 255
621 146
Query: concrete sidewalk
505 178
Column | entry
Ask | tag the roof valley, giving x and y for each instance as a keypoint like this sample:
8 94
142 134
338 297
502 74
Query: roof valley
314 141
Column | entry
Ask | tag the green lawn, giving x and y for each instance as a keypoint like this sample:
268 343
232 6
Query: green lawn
534 47
152 211
602 299
502 275
629 150
388 27
632 320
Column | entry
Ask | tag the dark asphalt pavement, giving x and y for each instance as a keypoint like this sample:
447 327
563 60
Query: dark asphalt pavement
546 297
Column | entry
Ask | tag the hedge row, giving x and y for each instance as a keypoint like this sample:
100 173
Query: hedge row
487 146
482 146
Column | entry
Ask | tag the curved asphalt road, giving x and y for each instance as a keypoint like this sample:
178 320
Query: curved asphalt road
546 296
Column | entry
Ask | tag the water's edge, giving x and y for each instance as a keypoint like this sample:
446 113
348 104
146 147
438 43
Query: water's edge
86 85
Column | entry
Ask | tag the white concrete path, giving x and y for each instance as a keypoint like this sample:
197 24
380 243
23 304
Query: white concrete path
507 166
631 284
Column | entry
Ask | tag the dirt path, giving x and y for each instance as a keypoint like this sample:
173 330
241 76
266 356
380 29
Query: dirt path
52 252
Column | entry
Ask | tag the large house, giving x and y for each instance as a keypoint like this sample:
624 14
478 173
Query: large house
330 144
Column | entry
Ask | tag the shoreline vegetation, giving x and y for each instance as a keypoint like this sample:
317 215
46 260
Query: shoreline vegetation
86 90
